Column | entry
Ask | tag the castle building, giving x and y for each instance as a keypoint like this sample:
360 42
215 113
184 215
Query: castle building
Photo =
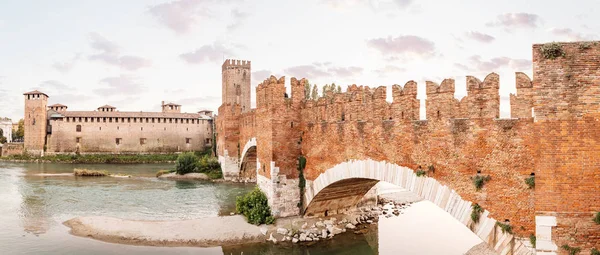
56 130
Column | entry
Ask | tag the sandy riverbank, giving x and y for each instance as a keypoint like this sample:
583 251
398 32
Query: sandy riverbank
202 232
189 176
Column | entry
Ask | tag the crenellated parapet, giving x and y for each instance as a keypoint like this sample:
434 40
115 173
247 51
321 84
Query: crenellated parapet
270 93
521 104
441 104
483 98
236 63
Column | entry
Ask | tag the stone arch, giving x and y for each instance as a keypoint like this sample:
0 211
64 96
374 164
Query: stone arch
346 183
248 160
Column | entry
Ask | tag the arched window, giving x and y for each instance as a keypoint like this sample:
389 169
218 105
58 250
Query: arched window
78 128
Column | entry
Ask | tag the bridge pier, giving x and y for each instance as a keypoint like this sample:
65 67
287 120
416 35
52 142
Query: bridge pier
283 193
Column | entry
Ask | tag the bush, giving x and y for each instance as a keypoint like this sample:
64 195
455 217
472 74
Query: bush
595 251
480 180
476 212
532 240
254 206
530 181
552 50
186 163
86 172
506 228
571 250
420 173
208 164
597 218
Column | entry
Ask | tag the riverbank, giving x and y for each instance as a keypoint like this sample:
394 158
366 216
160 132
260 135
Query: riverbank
208 232
95 158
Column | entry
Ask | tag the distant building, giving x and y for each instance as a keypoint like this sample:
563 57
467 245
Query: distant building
55 130
7 126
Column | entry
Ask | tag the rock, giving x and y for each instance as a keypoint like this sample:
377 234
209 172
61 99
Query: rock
328 222
308 239
324 233
288 238
335 231
303 237
304 225
333 219
316 239
282 231
313 226
231 213
350 226
320 224
294 240
263 230
296 236
370 221
283 239
271 238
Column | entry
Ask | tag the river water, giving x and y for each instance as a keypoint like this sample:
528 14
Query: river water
33 208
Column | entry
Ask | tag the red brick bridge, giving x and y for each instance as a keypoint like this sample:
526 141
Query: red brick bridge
353 140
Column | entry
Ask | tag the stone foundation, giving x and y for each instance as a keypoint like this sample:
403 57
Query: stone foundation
229 166
283 193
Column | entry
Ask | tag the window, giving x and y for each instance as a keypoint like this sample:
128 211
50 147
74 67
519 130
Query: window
188 140
78 139
142 141
128 120
100 128
187 121
118 141
86 119
170 120
207 140
142 128
117 127
134 120
104 119
78 128
117 120
92 119
110 120
152 120
68 119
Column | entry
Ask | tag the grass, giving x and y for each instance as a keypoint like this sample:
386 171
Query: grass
87 172
420 173
571 250
480 180
161 172
476 212
101 158
530 181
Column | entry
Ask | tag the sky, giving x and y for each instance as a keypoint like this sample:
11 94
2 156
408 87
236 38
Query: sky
134 54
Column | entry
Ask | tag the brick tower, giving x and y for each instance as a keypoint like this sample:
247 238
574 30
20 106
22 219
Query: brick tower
236 83
35 122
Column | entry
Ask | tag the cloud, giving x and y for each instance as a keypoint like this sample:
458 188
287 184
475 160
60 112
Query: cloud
478 65
570 34
516 20
403 3
403 45
389 69
480 37
261 75
55 86
109 54
120 85
212 100
212 53
318 70
238 19
374 5
181 16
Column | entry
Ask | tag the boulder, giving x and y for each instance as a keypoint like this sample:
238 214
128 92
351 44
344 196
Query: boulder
294 240
350 226
282 231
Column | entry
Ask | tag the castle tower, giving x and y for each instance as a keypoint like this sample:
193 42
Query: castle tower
236 83
35 122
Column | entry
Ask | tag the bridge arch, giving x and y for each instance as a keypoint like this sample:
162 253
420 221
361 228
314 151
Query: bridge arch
248 160
343 185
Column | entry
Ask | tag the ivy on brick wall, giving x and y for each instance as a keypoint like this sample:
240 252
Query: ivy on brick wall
480 180
571 250
301 180
552 50
530 181
597 218
476 212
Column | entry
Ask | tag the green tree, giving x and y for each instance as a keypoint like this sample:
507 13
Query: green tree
255 207
315 92
307 90
339 89
186 163
21 129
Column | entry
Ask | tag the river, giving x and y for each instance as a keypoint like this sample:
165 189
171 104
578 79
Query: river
34 207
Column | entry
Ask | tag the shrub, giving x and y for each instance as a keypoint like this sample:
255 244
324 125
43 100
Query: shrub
161 172
532 240
480 180
186 163
571 250
301 180
476 212
552 50
597 218
254 206
585 46
420 173
86 172
530 181
208 164
506 228
595 251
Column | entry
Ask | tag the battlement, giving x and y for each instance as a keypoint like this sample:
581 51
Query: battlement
233 63
447 86
492 81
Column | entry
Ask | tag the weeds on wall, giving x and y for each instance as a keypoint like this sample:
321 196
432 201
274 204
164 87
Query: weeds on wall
586 45
301 180
532 239
597 218
420 173
594 251
552 50
480 180
530 181
506 228
571 250
476 212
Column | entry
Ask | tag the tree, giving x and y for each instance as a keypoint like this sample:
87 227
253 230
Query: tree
315 92
339 89
20 130
2 138
307 90
186 163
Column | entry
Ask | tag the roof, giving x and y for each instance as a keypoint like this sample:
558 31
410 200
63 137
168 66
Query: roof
131 114
173 104
35 92
206 111
107 106
58 105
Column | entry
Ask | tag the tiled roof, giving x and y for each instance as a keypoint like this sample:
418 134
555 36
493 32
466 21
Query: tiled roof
131 114
35 92
173 104
58 105
107 106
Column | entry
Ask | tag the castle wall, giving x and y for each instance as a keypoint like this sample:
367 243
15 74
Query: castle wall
35 123
9 149
100 137
567 110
